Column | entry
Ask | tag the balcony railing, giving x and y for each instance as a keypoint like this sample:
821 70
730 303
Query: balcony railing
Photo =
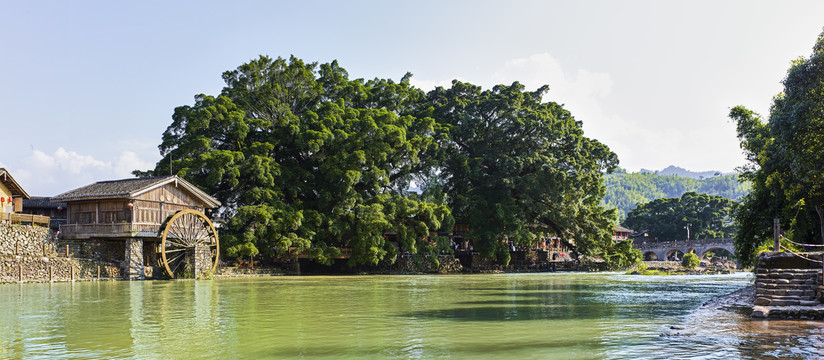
24 219
109 230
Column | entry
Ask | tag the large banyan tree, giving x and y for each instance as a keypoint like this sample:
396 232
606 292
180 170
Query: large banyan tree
514 164
306 160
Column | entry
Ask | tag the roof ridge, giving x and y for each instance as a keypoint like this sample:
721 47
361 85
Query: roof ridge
133 179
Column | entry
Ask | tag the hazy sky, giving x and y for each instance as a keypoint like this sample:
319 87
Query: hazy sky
88 88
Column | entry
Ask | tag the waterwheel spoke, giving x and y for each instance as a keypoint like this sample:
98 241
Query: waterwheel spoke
182 231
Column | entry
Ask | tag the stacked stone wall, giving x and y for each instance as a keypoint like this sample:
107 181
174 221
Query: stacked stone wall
38 269
787 286
446 265
26 240
96 249
31 253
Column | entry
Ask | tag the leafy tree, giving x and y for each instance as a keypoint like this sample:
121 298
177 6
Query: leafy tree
512 162
667 218
690 261
303 158
242 250
626 190
785 159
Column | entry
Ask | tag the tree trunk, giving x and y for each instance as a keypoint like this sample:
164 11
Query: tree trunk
820 212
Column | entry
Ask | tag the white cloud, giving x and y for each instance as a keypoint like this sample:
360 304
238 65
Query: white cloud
129 161
50 174
639 143
75 163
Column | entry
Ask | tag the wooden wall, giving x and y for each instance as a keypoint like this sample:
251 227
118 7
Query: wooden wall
100 212
154 206
149 208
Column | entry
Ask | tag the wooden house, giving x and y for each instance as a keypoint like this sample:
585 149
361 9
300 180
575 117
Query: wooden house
620 233
120 219
11 203
43 206
11 193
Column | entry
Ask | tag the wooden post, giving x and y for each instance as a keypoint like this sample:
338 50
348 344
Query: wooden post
67 250
776 231
20 272
98 272
51 273
44 249
72 273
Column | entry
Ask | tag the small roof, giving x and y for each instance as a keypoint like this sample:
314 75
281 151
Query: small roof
14 187
42 202
130 188
619 228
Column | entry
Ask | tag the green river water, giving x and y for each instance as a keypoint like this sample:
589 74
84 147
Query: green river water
496 316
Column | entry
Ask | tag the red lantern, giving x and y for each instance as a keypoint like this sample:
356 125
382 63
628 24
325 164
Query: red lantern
2 200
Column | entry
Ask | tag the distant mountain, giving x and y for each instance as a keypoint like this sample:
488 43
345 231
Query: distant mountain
624 191
674 170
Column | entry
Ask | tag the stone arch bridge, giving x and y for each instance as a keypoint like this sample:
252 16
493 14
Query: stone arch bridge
663 250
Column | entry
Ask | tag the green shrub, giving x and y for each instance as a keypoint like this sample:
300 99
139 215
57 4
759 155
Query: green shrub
690 261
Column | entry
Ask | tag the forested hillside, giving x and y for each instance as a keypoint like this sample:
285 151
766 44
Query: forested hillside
626 190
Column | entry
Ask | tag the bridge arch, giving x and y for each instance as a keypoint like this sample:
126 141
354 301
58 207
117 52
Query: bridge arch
677 252
651 256
721 251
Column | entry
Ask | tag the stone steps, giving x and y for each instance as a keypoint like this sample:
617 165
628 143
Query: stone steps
786 288
776 293
815 312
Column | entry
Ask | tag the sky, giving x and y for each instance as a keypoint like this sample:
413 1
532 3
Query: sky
88 87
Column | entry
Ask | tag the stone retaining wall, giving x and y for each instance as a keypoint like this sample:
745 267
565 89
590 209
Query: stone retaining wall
31 253
787 286
26 240
446 265
38 269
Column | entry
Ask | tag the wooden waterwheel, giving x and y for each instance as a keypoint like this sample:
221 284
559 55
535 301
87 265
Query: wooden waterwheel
185 237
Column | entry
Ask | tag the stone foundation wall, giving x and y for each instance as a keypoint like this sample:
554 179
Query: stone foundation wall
30 253
788 286
446 265
26 240
92 249
38 269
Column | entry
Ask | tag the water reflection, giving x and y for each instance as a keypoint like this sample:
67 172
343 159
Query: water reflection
564 316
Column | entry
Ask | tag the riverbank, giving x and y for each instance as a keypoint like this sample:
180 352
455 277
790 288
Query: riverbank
726 320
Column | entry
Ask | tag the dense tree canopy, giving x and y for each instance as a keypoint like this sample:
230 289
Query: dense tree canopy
786 161
513 162
666 219
305 159
626 190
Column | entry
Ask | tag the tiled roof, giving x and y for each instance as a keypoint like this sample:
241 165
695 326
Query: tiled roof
111 188
11 184
42 202
126 188
619 228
